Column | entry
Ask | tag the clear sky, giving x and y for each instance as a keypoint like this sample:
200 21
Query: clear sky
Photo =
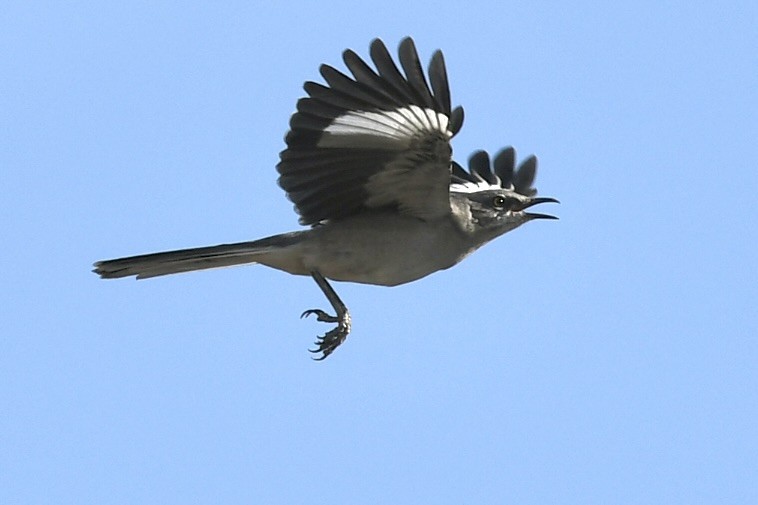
609 357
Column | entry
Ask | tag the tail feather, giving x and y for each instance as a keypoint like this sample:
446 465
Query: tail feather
187 260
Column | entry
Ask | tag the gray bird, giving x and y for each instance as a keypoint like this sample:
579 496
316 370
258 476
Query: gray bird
368 166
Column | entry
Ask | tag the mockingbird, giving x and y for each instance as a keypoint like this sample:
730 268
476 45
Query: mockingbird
368 166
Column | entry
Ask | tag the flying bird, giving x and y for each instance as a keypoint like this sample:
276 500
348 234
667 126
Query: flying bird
368 165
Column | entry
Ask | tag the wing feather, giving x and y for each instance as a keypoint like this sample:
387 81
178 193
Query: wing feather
481 176
375 141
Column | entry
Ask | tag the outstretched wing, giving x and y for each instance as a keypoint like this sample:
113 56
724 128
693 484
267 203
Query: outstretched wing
504 174
378 140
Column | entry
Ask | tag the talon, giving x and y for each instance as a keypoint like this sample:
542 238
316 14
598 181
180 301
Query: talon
322 358
314 351
327 343
334 337
320 316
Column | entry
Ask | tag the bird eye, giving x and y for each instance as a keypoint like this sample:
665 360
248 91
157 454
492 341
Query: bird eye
498 201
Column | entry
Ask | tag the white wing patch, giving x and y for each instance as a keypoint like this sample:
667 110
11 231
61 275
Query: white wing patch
479 185
393 130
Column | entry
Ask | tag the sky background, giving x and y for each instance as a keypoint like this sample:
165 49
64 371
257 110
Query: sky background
609 357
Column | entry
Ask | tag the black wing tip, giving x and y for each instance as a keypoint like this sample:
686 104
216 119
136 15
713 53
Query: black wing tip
409 86
407 43
456 120
378 44
502 168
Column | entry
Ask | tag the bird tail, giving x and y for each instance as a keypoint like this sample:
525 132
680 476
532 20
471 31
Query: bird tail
199 258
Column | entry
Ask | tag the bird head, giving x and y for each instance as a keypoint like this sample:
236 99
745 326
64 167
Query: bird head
496 201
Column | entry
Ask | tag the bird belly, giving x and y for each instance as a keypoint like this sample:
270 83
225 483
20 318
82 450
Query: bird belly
386 252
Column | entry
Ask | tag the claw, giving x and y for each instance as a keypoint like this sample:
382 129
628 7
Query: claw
319 358
327 343
334 337
320 316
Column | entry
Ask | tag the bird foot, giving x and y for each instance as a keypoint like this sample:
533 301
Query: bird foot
334 337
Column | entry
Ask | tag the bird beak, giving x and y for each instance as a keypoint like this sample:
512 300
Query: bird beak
535 201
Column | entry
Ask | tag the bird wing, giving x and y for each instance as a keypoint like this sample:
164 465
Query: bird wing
378 140
501 173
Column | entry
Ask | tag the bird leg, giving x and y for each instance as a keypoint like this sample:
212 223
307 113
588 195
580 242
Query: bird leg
334 337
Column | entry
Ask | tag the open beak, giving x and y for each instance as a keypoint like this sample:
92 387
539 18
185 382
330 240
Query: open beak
535 201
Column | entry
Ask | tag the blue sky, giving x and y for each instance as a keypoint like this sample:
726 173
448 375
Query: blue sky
609 357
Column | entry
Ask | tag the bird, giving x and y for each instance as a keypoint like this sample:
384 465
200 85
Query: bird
368 166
